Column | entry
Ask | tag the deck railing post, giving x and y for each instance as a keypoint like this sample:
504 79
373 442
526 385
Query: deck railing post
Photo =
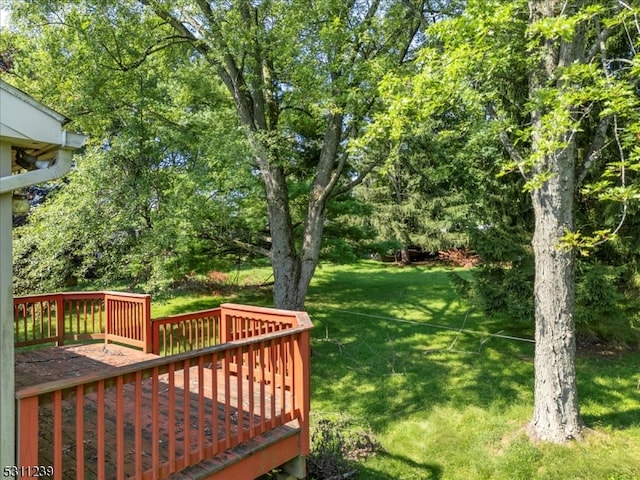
27 432
108 318
147 337
225 336
60 318
154 328
225 326
302 386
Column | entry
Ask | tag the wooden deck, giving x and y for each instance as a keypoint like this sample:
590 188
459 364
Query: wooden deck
224 393
134 436
55 363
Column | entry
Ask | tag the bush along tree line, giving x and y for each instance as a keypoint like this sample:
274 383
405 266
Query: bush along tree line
223 132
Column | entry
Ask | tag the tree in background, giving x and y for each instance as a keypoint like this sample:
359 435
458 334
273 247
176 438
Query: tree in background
565 109
427 194
302 77
165 187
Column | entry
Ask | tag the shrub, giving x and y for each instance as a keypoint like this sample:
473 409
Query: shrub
336 446
602 312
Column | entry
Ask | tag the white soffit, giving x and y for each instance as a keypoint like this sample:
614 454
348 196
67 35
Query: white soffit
28 124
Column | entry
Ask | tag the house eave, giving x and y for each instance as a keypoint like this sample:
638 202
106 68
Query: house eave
33 131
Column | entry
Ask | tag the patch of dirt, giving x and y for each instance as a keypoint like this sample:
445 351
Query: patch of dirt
589 346
459 257
456 257
218 277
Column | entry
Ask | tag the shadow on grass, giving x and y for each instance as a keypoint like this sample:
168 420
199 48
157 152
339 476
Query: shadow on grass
185 302
399 380
618 420
611 381
391 363
426 471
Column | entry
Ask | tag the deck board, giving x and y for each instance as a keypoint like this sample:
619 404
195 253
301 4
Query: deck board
54 363
42 365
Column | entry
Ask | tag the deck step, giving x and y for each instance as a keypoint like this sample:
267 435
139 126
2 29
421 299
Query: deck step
249 460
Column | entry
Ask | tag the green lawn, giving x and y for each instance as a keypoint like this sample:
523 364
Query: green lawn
450 405
446 404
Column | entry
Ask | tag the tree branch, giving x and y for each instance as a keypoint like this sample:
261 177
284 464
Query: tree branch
150 50
356 181
248 247
595 149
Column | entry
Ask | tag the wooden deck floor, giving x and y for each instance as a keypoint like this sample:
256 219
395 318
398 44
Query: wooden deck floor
221 414
41 365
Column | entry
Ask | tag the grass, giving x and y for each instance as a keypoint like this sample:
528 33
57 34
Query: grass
240 286
452 405
388 354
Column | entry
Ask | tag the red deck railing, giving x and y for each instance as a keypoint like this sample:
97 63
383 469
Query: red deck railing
186 332
230 374
190 331
63 317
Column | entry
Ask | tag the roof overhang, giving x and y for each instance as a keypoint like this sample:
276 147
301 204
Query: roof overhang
34 132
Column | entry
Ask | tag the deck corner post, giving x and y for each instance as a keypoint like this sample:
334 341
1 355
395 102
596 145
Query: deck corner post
302 383
147 334
60 317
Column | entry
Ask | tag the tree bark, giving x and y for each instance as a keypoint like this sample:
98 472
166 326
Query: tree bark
283 253
405 257
556 415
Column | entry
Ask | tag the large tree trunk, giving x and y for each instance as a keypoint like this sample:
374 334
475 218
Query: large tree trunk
293 269
284 258
556 416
